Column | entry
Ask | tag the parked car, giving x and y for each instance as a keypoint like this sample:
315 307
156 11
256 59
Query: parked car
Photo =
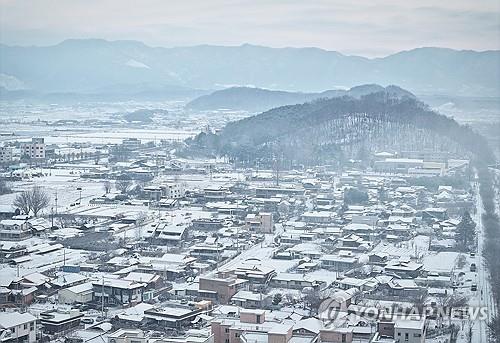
87 320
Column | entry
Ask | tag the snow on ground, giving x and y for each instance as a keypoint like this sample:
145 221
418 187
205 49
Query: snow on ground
61 181
197 181
116 136
417 246
442 262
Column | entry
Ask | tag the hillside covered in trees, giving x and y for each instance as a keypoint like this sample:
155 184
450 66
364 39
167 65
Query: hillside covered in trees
341 127
258 99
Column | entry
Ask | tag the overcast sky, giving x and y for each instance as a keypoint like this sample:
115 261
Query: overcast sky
361 27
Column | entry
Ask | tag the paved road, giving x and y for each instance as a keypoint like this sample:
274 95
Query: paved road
484 297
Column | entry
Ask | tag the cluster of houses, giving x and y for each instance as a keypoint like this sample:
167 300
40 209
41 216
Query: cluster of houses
197 252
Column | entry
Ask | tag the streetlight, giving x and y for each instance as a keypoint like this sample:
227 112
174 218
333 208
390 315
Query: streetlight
80 199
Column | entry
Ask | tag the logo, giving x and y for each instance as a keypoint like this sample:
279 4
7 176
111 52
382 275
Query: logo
336 306
330 308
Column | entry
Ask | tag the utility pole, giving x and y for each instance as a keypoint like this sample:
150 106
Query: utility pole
277 172
56 202
238 238
56 210
238 228
102 297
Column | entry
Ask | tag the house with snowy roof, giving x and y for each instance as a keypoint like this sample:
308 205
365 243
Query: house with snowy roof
18 327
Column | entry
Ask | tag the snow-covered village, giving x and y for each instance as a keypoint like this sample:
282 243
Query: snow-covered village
241 171
124 241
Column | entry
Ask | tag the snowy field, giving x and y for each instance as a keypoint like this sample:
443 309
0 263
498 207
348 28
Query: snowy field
106 125
60 182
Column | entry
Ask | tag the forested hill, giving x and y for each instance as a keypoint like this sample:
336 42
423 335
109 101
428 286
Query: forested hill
324 128
258 99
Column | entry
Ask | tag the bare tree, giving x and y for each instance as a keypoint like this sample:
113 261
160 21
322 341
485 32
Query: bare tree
33 200
107 186
450 302
39 199
312 299
122 185
22 202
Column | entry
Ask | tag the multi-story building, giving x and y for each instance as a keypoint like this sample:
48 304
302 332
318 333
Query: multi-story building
18 327
34 150
6 154
131 143
252 326
173 190
262 222
409 331
60 321
221 288
118 292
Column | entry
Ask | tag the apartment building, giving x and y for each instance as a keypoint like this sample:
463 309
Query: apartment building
6 154
35 149
262 222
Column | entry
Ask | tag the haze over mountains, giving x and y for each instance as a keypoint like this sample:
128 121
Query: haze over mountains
96 66
258 99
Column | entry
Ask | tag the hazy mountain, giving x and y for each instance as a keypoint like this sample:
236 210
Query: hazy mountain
257 99
248 99
139 92
143 115
91 65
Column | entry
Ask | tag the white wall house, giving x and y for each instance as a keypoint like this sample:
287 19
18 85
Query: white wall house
409 331
77 294
18 327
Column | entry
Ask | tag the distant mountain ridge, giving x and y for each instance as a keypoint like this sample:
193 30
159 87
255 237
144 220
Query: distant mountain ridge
88 66
117 93
258 99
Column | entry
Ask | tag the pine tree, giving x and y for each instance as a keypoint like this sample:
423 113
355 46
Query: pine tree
465 234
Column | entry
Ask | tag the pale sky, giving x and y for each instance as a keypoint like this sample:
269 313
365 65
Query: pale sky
361 27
